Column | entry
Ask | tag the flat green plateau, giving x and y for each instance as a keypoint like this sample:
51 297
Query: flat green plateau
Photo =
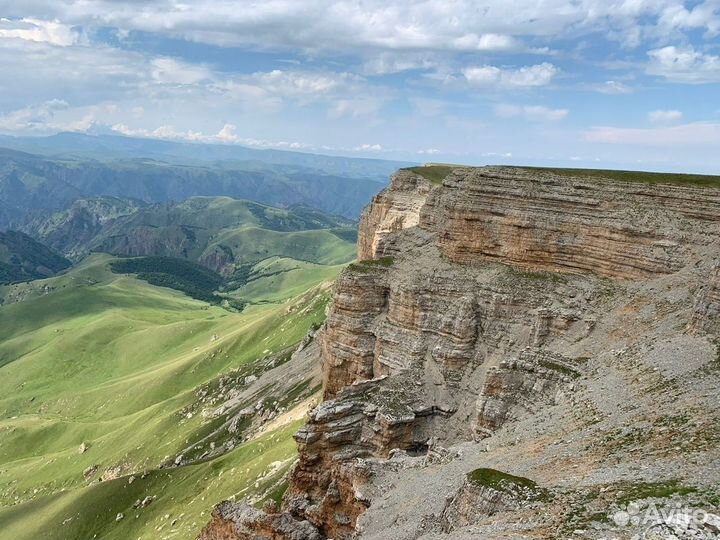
633 176
437 173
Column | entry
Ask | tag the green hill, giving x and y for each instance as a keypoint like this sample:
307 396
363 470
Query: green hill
107 376
71 230
32 185
218 243
186 276
23 258
220 233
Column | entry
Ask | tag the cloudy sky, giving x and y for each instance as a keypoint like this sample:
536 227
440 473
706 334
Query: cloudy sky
601 83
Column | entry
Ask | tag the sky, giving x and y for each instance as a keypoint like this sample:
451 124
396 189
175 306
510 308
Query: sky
579 83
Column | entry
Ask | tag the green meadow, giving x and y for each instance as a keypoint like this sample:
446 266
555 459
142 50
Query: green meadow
113 363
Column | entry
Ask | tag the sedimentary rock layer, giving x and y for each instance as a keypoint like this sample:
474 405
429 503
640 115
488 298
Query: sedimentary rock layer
480 299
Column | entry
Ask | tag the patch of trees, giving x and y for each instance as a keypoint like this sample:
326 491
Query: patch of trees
186 276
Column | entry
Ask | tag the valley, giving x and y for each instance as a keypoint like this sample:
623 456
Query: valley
100 378
359 270
144 360
494 352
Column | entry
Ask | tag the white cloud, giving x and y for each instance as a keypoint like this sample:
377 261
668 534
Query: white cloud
368 148
487 42
400 25
344 94
524 77
535 113
40 31
304 85
612 88
662 116
684 65
90 75
355 107
428 152
35 72
498 154
386 63
226 135
687 135
53 116
171 71
704 15
33 118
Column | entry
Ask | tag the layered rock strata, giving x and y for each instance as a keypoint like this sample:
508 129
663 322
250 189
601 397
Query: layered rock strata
487 298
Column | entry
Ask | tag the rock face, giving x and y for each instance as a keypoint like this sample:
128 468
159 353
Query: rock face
707 311
243 522
497 295
392 210
526 219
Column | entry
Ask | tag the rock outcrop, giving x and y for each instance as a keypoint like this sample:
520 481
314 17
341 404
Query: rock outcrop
489 298
243 522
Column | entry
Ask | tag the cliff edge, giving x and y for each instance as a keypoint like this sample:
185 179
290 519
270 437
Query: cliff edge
517 353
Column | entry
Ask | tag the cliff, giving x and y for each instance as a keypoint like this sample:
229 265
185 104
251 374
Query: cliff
518 321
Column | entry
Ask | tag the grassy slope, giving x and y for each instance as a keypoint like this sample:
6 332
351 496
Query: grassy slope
277 279
185 494
111 361
253 244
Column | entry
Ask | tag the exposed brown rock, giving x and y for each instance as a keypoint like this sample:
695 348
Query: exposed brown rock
479 302
707 309
538 220
240 521
392 210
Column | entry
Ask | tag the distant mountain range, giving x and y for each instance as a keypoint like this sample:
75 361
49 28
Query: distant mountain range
221 233
115 147
48 174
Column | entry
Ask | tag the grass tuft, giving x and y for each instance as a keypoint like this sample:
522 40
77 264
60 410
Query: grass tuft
435 173
369 265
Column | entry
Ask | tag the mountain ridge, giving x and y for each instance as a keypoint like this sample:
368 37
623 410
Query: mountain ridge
32 185
23 258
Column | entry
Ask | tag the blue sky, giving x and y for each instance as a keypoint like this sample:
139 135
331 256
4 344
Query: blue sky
599 83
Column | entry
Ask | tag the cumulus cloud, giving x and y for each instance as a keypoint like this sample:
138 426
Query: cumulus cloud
92 75
386 63
684 65
662 116
171 71
33 118
399 25
703 15
226 135
53 116
40 31
701 134
615 88
524 77
355 107
368 148
302 85
487 42
536 113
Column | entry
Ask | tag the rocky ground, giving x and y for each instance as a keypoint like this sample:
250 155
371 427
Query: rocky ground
516 355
